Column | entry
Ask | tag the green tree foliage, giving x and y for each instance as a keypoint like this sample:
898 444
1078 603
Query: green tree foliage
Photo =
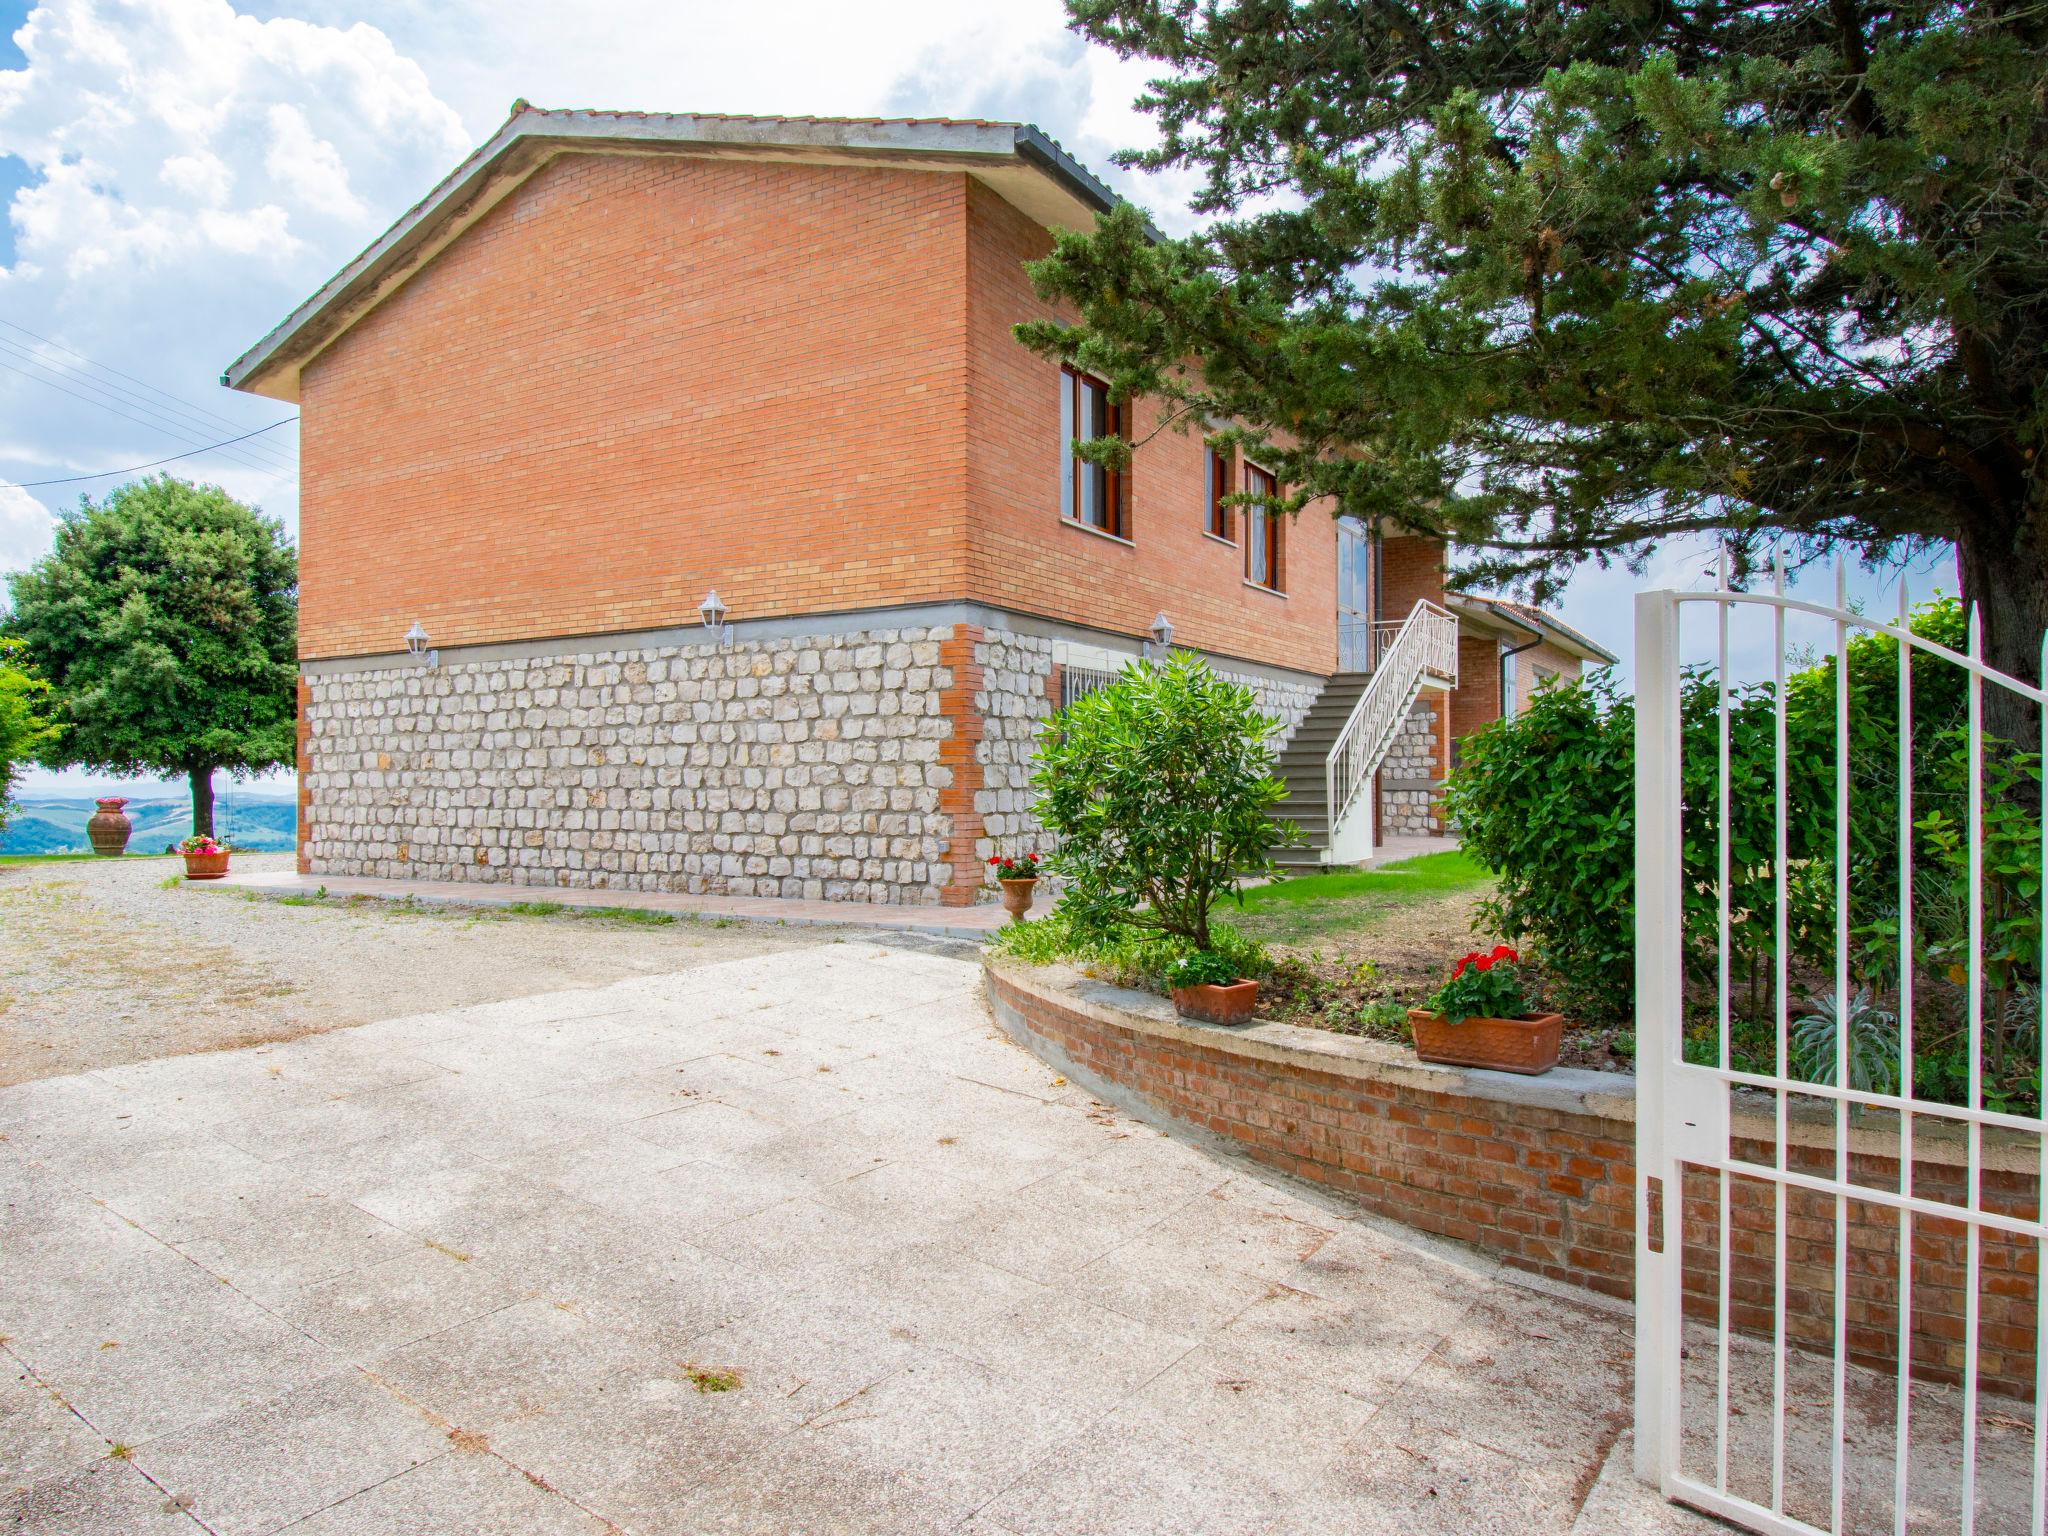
1547 800
24 732
166 621
1563 280
1159 790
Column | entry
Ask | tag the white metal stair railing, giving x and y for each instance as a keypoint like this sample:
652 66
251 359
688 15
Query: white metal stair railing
1410 651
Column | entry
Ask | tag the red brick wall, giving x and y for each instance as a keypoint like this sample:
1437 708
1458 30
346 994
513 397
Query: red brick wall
960 752
1024 556
1553 1192
2006 1309
639 378
636 379
1476 699
1411 569
1549 657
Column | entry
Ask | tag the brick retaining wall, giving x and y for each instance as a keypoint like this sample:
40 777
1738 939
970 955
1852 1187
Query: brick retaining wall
1539 1172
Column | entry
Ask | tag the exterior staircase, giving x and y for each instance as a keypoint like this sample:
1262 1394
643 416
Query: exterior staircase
1328 765
1302 768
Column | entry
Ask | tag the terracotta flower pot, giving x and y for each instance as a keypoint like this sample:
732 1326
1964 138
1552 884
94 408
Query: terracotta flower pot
109 828
206 866
1217 1005
1017 897
1528 1045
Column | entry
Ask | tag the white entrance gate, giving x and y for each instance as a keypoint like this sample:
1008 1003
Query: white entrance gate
1806 1219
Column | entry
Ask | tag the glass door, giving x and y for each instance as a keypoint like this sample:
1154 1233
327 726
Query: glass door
1354 596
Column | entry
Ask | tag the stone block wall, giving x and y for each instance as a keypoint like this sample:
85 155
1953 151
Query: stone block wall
1020 691
881 765
1015 701
804 767
1410 785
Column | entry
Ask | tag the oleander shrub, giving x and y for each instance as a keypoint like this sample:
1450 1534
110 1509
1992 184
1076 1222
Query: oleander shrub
1157 791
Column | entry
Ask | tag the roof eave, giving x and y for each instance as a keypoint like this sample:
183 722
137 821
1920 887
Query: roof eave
530 137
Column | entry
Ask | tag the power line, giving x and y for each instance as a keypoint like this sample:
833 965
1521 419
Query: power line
155 426
136 469
190 426
219 420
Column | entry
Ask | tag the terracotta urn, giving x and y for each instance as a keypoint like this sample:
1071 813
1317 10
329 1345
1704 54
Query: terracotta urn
1017 897
206 866
1212 1004
1526 1045
109 827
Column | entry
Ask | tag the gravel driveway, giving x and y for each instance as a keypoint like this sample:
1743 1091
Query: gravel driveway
100 964
786 1243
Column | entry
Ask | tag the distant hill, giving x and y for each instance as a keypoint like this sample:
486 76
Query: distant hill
56 823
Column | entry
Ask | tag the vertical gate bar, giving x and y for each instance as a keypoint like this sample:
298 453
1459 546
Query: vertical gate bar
2040 1526
1839 1427
1976 1097
1783 981
1659 1031
1902 1416
1721 1394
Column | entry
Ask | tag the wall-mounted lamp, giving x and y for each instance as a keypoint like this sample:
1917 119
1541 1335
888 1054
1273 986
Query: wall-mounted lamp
1161 643
418 646
712 612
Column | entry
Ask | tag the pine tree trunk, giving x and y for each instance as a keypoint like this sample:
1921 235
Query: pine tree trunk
202 799
2006 578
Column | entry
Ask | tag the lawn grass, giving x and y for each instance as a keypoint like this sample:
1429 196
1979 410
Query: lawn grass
1313 907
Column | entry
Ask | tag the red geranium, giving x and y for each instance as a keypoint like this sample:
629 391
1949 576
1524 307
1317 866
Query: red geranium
1483 984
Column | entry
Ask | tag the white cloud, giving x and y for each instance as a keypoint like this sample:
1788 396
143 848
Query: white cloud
26 526
194 173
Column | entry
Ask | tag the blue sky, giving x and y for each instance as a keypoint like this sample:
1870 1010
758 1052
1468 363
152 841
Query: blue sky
14 172
178 174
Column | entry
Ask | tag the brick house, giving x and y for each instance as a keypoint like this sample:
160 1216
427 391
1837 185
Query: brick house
617 362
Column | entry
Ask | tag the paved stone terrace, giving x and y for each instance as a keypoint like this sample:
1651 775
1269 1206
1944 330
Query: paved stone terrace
472 1272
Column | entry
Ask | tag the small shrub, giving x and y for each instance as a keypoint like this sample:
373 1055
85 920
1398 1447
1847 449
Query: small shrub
1873 1043
1132 958
1159 790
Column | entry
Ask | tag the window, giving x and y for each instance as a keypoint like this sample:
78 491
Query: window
1510 698
1092 495
1262 532
1077 682
1216 486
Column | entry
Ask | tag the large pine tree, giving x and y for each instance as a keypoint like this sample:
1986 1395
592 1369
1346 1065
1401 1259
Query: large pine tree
1560 280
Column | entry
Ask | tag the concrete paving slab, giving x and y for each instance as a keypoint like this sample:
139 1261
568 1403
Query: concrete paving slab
257 1471
41 1437
145 1348
521 1362
956 1432
625 1260
1141 1482
109 1498
465 1492
420 1291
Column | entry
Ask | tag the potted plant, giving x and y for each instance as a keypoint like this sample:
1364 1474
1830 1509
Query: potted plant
1481 1018
205 859
1018 878
109 827
1206 986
